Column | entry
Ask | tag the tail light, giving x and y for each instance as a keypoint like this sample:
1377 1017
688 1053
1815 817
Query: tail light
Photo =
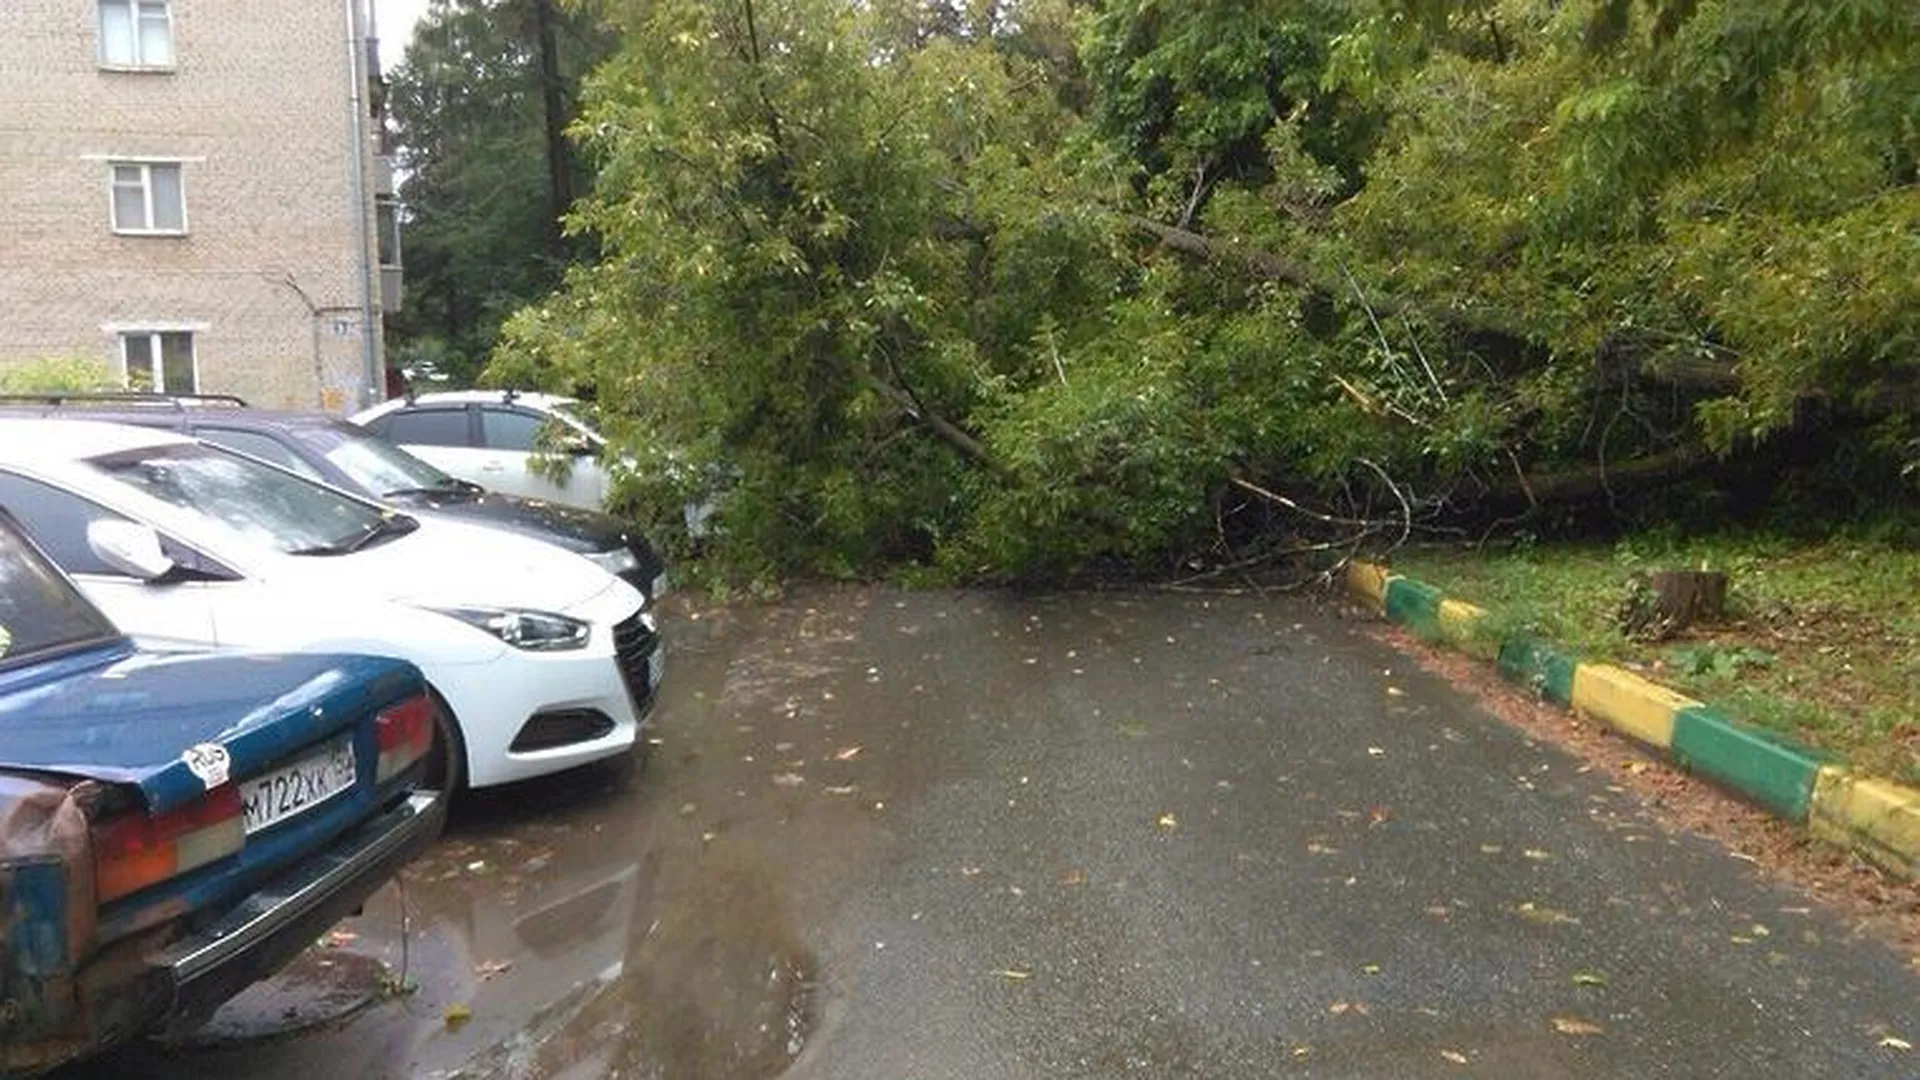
404 735
138 850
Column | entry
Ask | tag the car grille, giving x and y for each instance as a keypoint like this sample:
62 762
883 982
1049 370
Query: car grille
633 649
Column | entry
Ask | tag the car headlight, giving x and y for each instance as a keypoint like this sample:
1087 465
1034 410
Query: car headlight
615 561
535 631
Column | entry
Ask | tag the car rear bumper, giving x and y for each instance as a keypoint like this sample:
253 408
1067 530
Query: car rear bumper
269 928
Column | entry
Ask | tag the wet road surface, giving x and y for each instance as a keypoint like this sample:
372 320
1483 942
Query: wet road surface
979 836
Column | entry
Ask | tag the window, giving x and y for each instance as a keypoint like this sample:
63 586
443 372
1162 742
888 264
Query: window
428 427
386 223
136 33
265 447
41 613
511 429
149 197
160 360
58 521
262 506
377 466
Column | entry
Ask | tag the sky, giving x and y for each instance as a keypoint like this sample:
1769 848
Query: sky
394 20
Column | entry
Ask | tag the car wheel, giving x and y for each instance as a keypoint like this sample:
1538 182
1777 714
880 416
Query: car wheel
447 759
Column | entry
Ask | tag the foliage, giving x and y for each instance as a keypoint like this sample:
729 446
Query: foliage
466 105
57 374
1034 286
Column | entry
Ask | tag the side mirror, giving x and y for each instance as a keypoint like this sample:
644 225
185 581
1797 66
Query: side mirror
577 446
129 547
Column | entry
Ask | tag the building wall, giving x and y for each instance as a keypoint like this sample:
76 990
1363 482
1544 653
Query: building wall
256 106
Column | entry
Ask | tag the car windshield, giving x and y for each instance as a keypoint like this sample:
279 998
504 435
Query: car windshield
374 465
265 505
40 611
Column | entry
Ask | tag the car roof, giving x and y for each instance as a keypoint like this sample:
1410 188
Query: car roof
160 416
33 439
484 397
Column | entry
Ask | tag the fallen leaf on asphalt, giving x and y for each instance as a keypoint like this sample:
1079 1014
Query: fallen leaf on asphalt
1394 691
1374 751
687 809
457 1015
1454 1056
491 968
337 938
1440 911
969 871
1379 815
1074 877
1589 978
1318 848
1339 1007
841 789
782 747
1302 1051
847 753
1888 1042
1537 855
1370 969
1569 1025
1491 849
787 779
1545 915
1168 822
1016 975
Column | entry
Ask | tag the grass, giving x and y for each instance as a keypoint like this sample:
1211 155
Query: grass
1821 641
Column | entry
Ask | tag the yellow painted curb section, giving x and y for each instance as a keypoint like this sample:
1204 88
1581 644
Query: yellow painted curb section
1628 703
1877 818
1457 622
1369 581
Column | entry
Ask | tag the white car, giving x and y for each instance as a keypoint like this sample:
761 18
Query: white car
490 438
545 661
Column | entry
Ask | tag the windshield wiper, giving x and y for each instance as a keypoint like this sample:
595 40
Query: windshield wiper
389 526
449 486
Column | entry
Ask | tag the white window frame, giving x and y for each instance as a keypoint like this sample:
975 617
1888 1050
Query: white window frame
137 63
145 165
152 332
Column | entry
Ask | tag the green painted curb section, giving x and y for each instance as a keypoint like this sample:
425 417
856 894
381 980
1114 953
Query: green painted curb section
1413 604
1537 664
1777 776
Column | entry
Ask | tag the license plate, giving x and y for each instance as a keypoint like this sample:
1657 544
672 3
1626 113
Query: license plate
292 790
656 664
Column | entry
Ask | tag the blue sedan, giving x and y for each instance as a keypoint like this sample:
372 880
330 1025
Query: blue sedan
175 826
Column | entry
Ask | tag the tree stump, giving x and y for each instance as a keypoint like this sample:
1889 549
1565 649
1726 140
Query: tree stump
1665 602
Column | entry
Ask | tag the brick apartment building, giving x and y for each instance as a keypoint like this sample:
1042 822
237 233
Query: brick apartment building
178 196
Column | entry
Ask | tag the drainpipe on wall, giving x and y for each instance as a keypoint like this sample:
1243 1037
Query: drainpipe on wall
375 390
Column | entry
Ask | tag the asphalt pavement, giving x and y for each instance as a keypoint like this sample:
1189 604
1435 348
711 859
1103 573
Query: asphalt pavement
979 836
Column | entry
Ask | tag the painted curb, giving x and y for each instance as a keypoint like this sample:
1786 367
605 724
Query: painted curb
1877 819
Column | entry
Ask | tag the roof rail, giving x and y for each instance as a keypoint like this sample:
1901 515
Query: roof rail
124 397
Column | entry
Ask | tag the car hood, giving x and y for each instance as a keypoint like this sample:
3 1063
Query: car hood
455 564
127 717
570 527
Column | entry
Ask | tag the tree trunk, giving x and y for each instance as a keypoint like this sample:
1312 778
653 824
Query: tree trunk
1662 604
553 106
